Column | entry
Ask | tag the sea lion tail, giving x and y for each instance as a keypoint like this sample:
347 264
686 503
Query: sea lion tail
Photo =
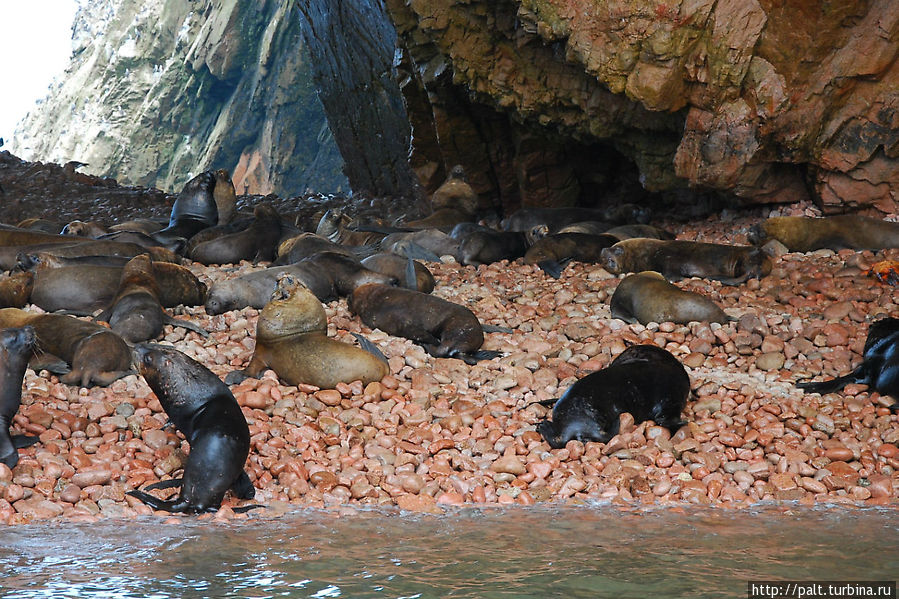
370 347
553 268
546 403
185 324
492 328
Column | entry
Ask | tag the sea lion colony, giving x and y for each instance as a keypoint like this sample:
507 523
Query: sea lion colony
440 431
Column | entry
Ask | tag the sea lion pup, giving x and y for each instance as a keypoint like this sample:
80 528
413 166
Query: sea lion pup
80 228
879 369
202 407
801 234
16 347
644 380
94 353
443 328
333 226
676 259
193 210
15 290
304 245
292 339
85 288
255 289
136 313
225 197
257 242
346 272
397 267
487 247
649 297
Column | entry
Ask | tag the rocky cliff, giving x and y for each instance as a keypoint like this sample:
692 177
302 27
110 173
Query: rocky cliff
573 101
158 91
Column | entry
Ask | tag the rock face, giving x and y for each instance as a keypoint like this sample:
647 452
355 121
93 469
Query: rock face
158 91
550 101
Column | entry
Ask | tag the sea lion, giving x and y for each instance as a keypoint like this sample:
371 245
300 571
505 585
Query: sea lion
31 262
879 369
443 219
428 244
255 289
15 290
94 353
849 231
455 193
333 226
202 407
397 267
236 225
194 209
552 252
224 196
649 297
16 347
644 380
41 224
85 247
623 232
147 226
487 247
304 245
80 228
136 312
14 236
257 242
443 328
524 219
675 259
347 272
292 339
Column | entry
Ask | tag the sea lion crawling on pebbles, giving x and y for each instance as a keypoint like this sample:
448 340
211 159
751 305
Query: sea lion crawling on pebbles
443 328
675 259
879 368
644 380
16 347
649 297
202 407
292 339
848 231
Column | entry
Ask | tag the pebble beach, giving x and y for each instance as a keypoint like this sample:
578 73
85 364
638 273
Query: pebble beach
437 432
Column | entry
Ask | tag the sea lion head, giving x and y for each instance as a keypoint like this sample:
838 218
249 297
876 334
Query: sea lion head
292 310
329 222
538 232
457 172
757 234
181 384
610 258
17 340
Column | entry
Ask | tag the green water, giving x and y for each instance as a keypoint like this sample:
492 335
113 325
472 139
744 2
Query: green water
543 552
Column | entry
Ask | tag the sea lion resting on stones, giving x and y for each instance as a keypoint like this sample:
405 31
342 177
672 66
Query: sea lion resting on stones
644 380
524 219
15 290
397 267
255 289
136 313
487 246
552 252
9 256
257 242
428 244
801 234
649 297
731 265
292 339
80 228
94 353
16 347
879 368
346 272
304 245
206 413
444 329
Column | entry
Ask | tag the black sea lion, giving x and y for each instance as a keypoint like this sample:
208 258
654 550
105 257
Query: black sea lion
255 289
644 380
16 347
292 339
801 234
649 297
879 368
444 329
193 210
202 407
94 353
257 242
729 264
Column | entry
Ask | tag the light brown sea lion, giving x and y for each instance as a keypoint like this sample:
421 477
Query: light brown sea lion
257 242
397 266
801 234
675 259
455 193
15 290
649 297
80 228
255 289
292 340
443 328
13 236
94 353
136 312
225 197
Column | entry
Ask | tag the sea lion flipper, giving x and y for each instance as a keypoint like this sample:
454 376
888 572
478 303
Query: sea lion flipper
551 267
237 376
473 358
411 278
22 441
243 488
370 347
164 484
50 363
492 328
155 502
831 386
185 324
417 252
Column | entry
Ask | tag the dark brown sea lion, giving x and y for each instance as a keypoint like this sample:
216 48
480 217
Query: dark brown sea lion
346 272
202 407
16 347
731 265
524 219
304 245
649 297
15 290
801 234
136 312
623 232
397 267
879 369
257 242
644 380
94 353
488 246
255 289
225 198
31 262
443 219
236 225
455 193
552 252
13 236
444 329
193 210
292 339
